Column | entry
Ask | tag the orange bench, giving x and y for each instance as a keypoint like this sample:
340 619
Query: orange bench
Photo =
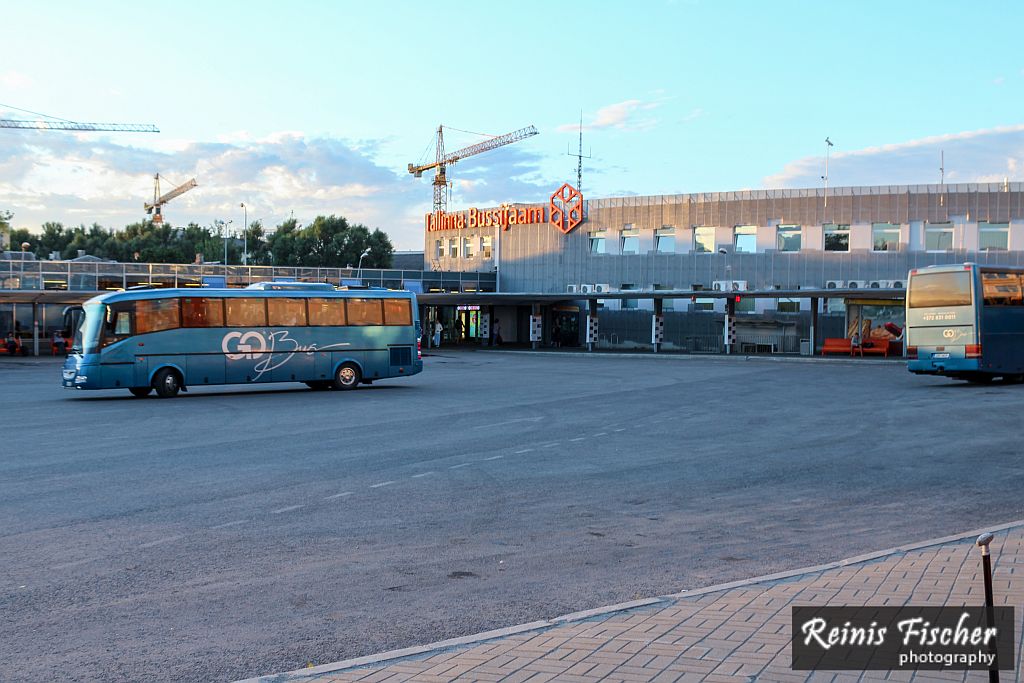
880 347
837 345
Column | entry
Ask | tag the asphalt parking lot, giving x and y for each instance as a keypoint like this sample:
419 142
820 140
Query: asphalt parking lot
241 531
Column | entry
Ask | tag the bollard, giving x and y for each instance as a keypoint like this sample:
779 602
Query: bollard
986 566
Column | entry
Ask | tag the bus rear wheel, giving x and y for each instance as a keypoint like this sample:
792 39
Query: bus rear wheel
140 392
347 377
167 383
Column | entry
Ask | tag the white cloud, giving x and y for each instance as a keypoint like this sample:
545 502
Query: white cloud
987 155
86 178
624 115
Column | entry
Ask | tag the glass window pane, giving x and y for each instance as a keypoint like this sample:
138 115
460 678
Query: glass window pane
202 312
837 237
326 312
993 236
745 239
938 237
365 312
286 312
630 244
597 243
940 289
155 315
703 240
1001 289
246 312
397 312
885 237
789 238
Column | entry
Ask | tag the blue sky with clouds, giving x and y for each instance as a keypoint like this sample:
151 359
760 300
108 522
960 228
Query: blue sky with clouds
317 107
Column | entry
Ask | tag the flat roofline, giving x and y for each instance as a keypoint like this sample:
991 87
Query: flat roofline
801 193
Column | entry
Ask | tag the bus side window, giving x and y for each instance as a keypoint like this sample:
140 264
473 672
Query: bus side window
397 312
118 323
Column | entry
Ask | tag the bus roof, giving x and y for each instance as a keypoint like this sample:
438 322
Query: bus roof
166 293
949 267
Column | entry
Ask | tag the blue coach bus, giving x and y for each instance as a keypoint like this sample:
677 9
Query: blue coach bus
966 322
166 340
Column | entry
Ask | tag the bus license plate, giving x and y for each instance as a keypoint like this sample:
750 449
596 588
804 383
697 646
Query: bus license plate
940 355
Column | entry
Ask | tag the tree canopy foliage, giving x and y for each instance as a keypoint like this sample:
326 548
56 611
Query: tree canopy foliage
329 241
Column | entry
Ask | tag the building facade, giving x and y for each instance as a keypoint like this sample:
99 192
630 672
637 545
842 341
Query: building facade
860 237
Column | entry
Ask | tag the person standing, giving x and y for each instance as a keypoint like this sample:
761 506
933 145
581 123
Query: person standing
497 332
438 329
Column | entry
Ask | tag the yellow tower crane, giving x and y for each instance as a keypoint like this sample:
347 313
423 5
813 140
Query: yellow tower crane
444 160
159 200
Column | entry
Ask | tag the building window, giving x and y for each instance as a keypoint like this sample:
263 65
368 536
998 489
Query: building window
745 305
704 305
453 247
597 243
993 236
788 306
438 248
467 247
628 303
788 238
665 240
885 237
938 236
666 304
485 247
703 240
744 239
629 240
837 237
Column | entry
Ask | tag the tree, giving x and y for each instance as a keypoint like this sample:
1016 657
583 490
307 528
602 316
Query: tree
329 241
5 228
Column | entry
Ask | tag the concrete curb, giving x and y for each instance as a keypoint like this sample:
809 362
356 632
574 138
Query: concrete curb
542 625
705 357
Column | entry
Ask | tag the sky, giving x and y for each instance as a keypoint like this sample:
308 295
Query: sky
316 107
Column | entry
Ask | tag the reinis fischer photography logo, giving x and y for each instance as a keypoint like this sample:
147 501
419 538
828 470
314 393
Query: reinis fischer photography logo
903 638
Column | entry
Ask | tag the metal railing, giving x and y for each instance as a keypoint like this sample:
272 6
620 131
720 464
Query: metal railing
99 276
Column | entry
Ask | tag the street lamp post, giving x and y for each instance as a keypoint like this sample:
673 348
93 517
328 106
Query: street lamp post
224 233
361 257
245 235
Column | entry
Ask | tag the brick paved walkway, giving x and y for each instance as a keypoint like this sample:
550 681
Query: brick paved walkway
732 633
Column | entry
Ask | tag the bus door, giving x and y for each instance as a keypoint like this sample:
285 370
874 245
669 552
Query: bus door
118 348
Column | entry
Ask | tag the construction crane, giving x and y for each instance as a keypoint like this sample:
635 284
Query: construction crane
444 160
72 125
159 200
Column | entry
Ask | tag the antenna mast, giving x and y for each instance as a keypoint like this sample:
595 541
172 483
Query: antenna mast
580 156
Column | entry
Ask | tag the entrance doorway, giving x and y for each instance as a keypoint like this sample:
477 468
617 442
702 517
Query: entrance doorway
467 324
565 326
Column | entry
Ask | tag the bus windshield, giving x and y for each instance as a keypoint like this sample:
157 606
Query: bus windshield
88 331
930 290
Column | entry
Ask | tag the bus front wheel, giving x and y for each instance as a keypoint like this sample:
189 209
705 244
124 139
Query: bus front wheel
140 392
347 377
167 383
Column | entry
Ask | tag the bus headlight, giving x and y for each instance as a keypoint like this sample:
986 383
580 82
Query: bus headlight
81 379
